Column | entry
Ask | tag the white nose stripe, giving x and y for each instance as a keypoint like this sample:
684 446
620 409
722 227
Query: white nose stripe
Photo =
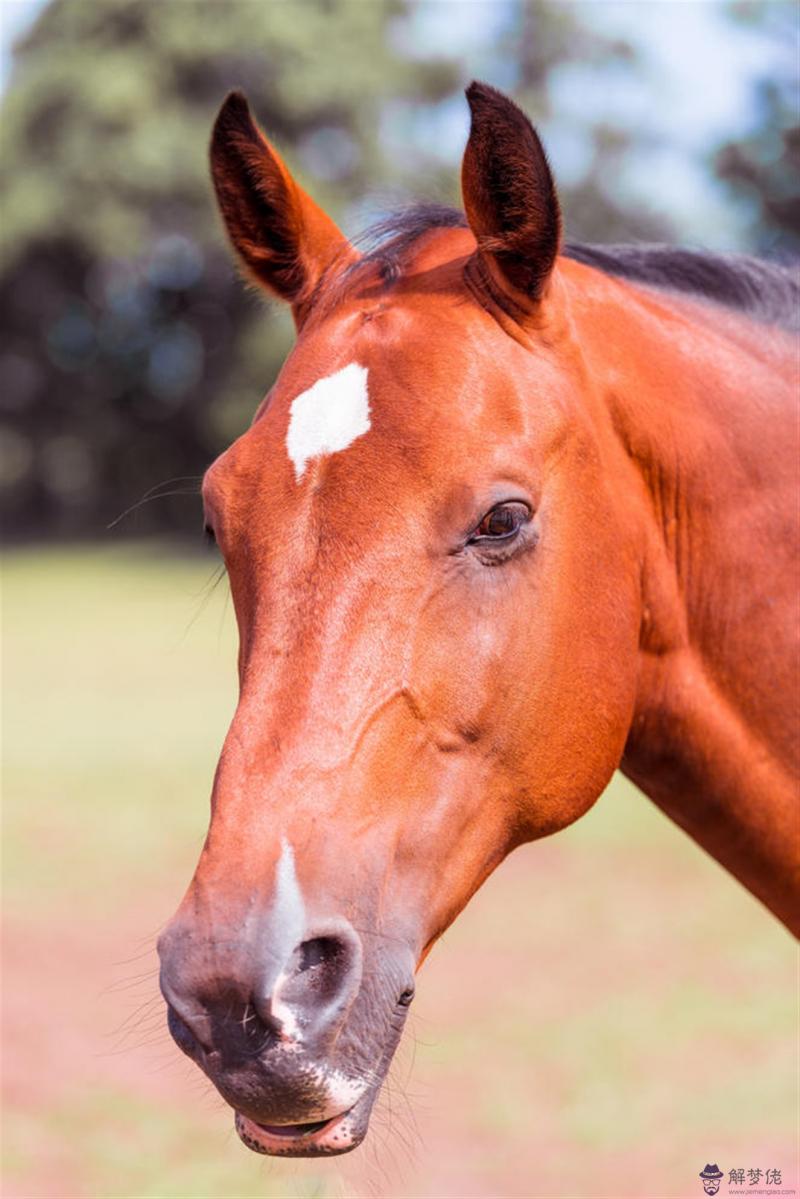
328 417
289 913
288 923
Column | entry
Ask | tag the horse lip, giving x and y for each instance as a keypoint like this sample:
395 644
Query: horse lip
339 1134
295 1130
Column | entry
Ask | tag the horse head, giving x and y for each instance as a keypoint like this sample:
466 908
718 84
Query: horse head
438 610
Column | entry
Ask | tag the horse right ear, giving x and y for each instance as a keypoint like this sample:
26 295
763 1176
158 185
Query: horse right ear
509 198
283 239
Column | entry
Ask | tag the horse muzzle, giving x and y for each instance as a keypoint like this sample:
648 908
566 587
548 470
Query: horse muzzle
297 1042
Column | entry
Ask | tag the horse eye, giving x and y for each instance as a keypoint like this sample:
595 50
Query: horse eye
501 523
210 535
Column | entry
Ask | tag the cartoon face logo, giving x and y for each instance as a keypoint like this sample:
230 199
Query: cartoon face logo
711 1177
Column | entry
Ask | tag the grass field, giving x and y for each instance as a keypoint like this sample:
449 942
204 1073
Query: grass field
611 1013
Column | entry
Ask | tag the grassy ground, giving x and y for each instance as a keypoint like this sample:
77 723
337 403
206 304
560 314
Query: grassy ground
611 1012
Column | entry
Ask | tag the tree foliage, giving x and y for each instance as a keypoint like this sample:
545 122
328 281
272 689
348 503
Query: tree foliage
133 351
762 168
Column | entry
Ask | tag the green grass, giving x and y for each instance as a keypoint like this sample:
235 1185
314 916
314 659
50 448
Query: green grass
120 679
610 1012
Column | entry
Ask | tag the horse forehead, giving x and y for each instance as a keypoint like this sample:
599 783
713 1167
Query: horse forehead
312 417
371 370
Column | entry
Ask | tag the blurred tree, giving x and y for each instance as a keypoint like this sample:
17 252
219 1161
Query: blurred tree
547 39
762 169
133 351
542 52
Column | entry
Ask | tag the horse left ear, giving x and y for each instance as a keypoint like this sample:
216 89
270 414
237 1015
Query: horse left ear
283 239
509 196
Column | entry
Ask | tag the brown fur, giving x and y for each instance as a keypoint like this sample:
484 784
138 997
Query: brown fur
414 702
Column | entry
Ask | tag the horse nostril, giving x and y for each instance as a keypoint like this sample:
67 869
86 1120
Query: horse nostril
318 950
324 961
320 980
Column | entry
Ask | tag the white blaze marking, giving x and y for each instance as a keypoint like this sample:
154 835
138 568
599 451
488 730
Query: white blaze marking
289 915
289 912
328 417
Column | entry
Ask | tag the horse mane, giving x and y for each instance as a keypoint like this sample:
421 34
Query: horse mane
767 291
387 242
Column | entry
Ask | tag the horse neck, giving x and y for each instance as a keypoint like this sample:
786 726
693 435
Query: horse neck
696 411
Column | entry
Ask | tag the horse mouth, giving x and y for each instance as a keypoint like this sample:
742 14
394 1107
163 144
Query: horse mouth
339 1134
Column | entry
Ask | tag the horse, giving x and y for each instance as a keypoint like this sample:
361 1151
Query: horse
514 514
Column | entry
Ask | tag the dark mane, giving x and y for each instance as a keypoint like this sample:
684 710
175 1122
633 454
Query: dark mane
383 248
766 291
386 244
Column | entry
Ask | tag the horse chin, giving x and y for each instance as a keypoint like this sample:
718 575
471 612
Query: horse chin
322 1138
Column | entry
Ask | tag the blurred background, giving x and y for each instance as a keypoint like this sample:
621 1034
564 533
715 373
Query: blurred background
132 353
641 1022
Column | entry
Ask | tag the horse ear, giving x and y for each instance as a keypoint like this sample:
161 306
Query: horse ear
509 196
284 240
